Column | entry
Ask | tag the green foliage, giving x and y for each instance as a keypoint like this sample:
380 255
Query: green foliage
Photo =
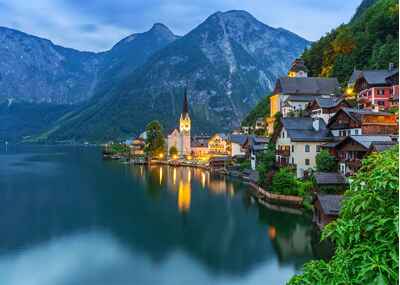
326 162
155 139
266 161
366 233
284 182
370 40
117 148
261 110
173 151
245 164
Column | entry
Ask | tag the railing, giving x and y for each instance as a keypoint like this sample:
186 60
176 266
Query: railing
283 152
354 164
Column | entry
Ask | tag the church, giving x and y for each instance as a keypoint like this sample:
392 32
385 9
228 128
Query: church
181 138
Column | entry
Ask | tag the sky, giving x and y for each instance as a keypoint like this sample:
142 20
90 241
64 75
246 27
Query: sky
96 25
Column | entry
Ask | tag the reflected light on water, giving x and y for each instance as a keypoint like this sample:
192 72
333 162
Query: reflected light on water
184 196
272 232
174 176
161 174
203 180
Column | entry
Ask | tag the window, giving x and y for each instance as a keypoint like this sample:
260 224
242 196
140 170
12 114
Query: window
292 160
318 148
356 132
307 148
292 148
307 161
381 103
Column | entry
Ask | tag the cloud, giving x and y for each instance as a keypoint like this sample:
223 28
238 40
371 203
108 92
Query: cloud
98 25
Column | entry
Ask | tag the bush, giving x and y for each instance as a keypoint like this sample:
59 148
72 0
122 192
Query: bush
285 182
366 233
173 151
326 162
265 165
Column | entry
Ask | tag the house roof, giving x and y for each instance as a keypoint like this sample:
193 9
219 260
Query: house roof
301 129
307 85
329 178
239 139
328 102
354 76
381 146
221 135
301 98
298 65
330 204
357 114
366 141
377 77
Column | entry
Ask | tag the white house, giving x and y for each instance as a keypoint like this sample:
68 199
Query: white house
299 141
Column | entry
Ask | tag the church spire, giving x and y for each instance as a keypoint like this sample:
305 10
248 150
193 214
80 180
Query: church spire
185 111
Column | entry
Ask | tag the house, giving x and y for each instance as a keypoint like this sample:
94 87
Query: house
219 162
348 121
326 209
350 150
260 124
299 141
325 107
137 147
330 181
199 146
380 146
180 139
237 143
253 146
293 93
219 144
298 69
376 89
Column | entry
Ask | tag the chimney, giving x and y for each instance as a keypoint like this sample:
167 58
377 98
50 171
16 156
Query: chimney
391 66
315 124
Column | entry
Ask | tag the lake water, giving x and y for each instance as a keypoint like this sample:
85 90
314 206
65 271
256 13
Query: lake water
68 217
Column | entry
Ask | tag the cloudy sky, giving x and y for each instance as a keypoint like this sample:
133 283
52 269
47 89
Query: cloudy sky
97 25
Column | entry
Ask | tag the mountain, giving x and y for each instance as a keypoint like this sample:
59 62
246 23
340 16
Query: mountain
36 75
227 63
369 41
33 69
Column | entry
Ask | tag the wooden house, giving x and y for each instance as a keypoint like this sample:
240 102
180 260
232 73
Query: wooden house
326 209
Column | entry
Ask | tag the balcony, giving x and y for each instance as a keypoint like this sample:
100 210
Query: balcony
283 152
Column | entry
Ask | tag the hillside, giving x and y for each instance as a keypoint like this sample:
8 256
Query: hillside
370 40
228 63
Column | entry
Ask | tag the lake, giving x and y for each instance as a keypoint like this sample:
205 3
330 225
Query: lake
68 217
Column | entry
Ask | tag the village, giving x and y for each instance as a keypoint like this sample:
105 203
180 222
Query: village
304 153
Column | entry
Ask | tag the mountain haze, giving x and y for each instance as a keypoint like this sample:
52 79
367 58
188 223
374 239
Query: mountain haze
227 63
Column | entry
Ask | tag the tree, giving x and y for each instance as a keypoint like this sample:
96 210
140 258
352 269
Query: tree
326 162
266 162
173 151
284 182
366 232
155 139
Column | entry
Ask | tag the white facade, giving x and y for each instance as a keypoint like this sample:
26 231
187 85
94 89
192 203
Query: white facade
302 154
236 149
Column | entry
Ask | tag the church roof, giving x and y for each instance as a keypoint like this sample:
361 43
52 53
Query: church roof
185 110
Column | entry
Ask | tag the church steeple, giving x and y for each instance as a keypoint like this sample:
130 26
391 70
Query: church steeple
184 122
185 110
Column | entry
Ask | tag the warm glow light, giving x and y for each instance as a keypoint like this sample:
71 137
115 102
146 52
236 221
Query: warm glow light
161 175
161 155
272 232
174 176
174 156
349 91
184 196
203 180
189 157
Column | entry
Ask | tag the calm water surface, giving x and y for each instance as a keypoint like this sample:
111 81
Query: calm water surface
67 217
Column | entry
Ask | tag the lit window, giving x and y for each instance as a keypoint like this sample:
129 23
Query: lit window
307 161
307 148
318 148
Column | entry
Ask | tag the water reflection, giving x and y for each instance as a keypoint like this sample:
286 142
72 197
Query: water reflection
167 225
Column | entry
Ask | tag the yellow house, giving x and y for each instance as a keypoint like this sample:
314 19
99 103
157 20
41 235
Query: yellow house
219 144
